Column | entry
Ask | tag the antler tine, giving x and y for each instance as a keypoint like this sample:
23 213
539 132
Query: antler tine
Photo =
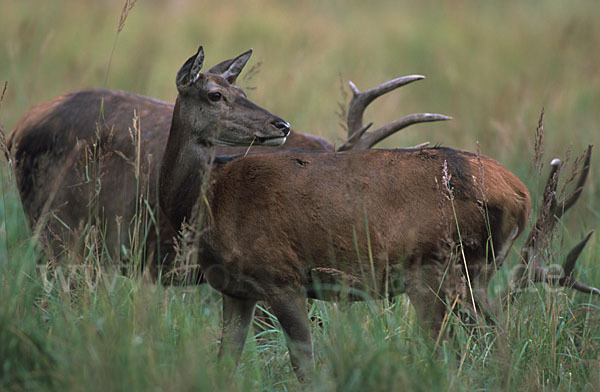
571 259
360 100
534 272
550 212
358 138
369 139
574 196
355 138
547 208
551 185
568 280
584 288
551 209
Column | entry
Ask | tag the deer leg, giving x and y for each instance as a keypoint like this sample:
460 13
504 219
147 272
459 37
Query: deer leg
291 313
423 287
480 293
237 315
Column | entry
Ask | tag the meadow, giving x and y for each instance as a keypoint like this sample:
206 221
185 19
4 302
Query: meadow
492 66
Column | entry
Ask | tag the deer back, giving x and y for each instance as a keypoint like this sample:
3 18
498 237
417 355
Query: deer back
274 218
75 158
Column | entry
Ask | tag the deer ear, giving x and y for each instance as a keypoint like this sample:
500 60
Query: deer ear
190 70
230 69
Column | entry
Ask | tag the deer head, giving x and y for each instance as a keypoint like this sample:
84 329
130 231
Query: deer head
210 110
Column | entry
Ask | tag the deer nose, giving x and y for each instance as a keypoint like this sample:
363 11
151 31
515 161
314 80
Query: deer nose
283 126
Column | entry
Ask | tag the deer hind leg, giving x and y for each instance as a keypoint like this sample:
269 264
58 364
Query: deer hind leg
290 310
486 273
237 315
480 293
424 289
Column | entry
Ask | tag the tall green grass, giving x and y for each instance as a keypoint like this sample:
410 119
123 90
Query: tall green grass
490 65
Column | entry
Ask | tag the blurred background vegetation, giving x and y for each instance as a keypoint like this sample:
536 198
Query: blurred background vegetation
491 65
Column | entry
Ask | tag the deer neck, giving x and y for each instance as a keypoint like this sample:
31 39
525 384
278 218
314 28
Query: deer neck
186 171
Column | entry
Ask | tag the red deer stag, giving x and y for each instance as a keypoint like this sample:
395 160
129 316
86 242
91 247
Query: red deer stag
77 165
283 226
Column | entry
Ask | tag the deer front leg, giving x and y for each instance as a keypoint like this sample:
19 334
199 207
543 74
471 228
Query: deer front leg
290 310
237 315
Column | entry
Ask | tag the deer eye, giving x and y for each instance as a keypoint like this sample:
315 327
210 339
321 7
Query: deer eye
215 97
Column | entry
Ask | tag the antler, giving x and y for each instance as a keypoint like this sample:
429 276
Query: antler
358 137
551 211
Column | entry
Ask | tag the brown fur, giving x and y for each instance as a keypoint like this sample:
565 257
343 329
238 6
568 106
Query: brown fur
313 214
50 144
283 226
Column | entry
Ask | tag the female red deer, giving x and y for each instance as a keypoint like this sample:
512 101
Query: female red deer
280 227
